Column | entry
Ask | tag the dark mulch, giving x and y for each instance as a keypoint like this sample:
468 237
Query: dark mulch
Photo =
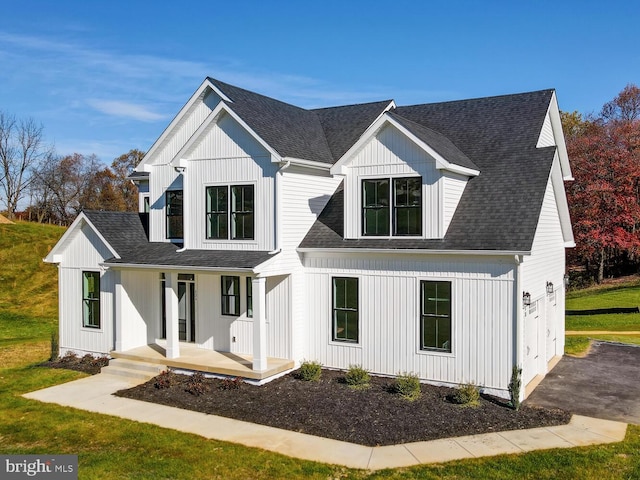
87 364
329 408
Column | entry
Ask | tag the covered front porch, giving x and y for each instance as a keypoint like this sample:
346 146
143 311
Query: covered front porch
203 360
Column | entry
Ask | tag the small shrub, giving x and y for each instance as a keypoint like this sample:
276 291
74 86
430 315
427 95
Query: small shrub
407 385
514 387
357 377
309 371
55 345
70 357
196 385
231 383
467 395
164 380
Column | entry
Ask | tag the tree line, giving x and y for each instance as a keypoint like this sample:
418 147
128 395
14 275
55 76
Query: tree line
604 198
55 188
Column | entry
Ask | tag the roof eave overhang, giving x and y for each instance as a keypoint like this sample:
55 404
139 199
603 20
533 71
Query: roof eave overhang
301 162
339 168
182 268
556 126
419 251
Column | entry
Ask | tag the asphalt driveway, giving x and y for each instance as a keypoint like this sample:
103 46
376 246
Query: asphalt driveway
604 384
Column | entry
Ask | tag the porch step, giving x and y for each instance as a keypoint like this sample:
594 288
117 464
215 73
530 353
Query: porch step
133 369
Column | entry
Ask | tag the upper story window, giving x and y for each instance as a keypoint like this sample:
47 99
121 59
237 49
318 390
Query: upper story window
392 206
230 211
175 219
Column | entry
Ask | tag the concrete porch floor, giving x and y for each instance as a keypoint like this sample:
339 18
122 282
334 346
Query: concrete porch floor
204 360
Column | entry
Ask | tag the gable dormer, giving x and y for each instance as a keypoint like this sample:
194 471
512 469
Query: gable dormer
402 180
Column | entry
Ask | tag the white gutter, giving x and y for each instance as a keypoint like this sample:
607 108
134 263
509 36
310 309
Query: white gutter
308 163
277 211
137 266
414 250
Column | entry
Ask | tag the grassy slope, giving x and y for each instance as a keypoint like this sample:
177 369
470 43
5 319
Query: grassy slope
110 447
28 286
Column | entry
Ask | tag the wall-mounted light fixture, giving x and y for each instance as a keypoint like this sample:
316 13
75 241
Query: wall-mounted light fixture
179 165
566 281
526 299
549 288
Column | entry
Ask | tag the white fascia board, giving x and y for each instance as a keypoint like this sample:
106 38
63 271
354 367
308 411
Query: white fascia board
558 135
55 255
420 251
143 165
561 201
441 163
307 163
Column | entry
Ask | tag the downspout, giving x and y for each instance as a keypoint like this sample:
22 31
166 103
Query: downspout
278 209
183 171
518 354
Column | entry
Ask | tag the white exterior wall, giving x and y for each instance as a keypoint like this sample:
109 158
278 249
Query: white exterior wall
483 315
453 188
544 320
161 179
140 305
84 252
392 154
546 138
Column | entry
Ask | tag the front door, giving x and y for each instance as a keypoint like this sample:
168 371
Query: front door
186 312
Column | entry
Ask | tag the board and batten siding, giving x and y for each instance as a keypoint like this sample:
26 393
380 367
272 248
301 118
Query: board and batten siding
84 252
389 315
544 320
391 154
234 334
162 178
140 305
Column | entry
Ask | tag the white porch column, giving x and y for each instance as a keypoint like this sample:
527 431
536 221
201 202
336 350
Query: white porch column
171 295
117 311
259 291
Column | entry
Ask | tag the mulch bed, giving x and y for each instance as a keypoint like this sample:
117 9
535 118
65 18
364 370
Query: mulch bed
87 364
329 408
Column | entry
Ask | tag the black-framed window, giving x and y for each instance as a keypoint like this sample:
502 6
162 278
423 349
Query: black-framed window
230 212
392 206
217 212
345 326
174 211
91 299
230 295
435 316
249 297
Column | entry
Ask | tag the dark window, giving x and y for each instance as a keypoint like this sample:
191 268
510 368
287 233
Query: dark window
375 207
435 319
405 218
174 202
230 295
242 212
91 299
249 298
407 206
230 212
345 309
217 212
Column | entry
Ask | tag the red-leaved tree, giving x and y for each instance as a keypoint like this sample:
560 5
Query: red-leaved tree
604 199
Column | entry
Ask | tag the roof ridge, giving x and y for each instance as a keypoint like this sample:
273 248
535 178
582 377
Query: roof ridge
488 97
386 102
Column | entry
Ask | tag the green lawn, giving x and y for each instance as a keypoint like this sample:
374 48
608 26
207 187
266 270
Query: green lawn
110 447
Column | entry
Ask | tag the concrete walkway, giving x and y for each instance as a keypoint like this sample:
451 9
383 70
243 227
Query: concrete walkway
94 394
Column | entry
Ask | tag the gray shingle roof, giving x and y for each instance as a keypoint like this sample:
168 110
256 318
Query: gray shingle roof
126 232
499 209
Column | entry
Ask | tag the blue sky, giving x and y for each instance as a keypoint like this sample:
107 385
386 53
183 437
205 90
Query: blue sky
106 77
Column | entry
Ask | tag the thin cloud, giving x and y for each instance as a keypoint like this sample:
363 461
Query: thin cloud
125 109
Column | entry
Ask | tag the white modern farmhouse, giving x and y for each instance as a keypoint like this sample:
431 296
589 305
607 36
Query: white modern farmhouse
426 238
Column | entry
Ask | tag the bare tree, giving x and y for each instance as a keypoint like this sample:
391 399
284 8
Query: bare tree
22 149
